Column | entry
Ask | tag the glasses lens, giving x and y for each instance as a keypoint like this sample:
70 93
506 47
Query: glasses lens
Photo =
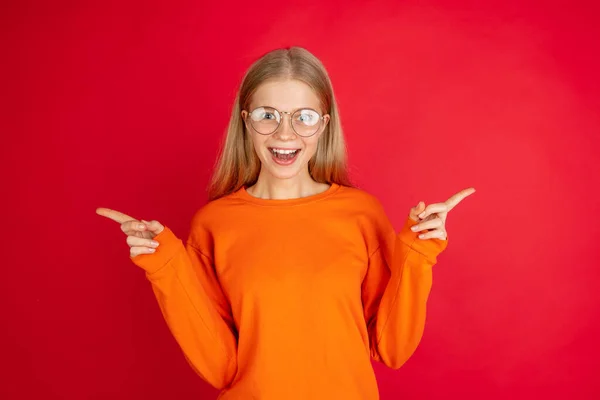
306 122
265 120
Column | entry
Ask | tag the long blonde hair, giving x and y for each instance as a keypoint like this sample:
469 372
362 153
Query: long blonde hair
238 165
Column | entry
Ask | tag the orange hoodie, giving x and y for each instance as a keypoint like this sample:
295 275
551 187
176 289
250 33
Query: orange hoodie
289 299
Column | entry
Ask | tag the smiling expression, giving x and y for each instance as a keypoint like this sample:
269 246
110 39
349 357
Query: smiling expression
284 154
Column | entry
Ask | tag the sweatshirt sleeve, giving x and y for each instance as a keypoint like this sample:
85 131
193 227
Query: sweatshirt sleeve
395 292
194 307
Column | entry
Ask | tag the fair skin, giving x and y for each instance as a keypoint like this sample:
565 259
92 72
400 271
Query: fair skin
285 181
277 181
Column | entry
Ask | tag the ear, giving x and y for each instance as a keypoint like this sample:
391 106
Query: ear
326 119
244 114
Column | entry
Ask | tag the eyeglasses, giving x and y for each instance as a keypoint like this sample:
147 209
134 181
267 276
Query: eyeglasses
266 120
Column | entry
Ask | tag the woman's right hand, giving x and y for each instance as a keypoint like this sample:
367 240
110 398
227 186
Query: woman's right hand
140 234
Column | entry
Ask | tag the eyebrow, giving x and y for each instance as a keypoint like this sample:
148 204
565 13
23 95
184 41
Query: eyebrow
291 112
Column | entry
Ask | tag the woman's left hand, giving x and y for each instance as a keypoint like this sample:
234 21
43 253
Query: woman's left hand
433 217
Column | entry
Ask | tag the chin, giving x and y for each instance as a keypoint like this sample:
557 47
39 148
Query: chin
279 174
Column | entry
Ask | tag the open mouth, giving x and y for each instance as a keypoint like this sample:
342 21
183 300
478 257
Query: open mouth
284 156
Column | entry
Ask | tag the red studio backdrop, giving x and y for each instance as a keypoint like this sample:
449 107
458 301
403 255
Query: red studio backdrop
123 105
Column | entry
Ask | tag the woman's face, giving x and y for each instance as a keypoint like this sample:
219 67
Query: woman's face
284 95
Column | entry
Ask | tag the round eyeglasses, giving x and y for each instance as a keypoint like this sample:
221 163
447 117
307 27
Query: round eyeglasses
266 120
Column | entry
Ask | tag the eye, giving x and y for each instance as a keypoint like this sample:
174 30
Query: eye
308 117
264 114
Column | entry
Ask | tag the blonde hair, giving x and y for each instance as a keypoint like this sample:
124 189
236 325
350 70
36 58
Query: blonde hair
238 165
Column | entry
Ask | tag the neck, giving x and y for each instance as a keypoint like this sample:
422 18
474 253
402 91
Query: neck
270 187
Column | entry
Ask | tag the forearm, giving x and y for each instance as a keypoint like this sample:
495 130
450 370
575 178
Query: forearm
400 320
398 327
205 336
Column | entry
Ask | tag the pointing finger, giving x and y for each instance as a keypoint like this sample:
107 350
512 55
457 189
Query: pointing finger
458 197
433 208
114 215
133 226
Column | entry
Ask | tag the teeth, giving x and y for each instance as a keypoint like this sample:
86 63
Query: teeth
279 151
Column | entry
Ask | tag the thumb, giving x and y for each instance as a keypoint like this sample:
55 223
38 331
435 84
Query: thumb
154 226
416 210
419 208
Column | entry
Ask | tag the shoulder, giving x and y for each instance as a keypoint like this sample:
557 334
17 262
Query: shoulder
369 214
363 200
209 211
217 210
209 217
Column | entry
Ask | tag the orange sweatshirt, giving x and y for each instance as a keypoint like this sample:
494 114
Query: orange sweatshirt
289 299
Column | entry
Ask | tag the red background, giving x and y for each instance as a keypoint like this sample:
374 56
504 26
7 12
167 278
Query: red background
123 105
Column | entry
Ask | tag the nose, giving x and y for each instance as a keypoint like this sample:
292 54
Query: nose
285 131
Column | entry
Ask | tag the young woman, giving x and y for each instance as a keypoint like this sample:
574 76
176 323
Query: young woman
291 280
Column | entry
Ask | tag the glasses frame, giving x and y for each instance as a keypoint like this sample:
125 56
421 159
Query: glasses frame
321 119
